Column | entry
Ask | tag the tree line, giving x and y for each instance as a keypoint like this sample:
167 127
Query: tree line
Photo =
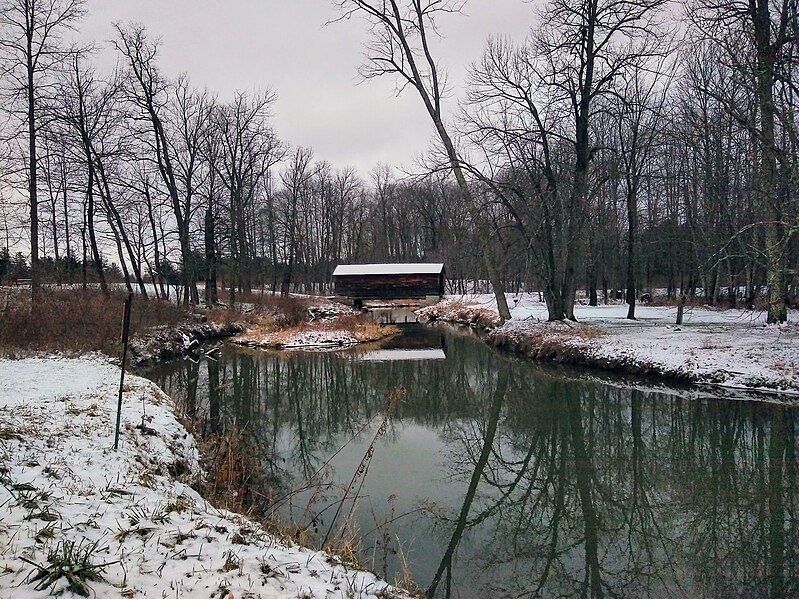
625 145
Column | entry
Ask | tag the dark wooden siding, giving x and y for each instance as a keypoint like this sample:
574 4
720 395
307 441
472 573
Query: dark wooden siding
405 286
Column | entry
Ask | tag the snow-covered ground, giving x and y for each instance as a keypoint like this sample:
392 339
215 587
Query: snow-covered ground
730 348
126 520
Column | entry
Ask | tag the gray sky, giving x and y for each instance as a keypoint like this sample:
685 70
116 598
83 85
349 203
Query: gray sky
226 45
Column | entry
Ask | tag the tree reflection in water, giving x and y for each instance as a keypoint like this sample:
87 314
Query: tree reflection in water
537 483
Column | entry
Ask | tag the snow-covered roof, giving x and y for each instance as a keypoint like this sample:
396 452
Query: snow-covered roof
416 268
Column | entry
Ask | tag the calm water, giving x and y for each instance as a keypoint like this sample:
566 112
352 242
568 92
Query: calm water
492 477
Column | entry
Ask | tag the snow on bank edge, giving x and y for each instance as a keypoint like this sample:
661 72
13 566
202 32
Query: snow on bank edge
62 482
730 349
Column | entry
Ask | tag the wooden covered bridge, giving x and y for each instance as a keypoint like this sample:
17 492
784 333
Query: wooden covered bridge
355 283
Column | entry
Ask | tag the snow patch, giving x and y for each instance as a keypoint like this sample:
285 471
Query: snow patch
388 269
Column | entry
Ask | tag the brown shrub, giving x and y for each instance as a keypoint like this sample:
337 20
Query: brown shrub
77 320
457 312
289 310
235 473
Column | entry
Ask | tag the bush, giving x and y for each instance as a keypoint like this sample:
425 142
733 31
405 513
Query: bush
287 310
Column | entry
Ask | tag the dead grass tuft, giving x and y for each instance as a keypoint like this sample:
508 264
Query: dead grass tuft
7 433
234 470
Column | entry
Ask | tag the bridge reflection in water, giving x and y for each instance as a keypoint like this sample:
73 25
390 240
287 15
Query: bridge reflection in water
499 478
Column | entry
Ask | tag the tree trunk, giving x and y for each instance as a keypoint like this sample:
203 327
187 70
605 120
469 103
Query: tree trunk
90 226
210 258
66 217
769 192
591 277
32 184
681 306
113 213
632 223
484 235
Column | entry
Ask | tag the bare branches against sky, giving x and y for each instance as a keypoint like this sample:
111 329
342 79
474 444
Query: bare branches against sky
286 46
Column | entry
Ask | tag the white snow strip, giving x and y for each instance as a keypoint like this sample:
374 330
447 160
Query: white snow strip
150 534
394 355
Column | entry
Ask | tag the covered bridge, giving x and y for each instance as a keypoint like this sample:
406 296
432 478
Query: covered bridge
419 281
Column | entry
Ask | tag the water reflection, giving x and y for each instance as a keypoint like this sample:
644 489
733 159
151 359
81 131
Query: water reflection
518 481
398 315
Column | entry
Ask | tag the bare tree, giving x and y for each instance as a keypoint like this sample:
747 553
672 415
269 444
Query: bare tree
30 39
149 91
637 109
296 181
531 120
400 47
84 108
248 149
759 39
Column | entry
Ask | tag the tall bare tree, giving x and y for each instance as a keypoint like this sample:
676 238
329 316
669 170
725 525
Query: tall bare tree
531 118
248 149
84 110
32 51
401 47
759 38
149 92
637 108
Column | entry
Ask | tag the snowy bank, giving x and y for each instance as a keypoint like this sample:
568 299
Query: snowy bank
79 518
727 348
165 342
334 333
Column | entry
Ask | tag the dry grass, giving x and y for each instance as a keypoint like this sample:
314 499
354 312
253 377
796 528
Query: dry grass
77 320
263 309
363 327
791 368
237 480
288 310
235 473
404 580
556 342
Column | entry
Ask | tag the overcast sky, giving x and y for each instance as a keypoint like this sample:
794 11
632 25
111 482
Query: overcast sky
228 45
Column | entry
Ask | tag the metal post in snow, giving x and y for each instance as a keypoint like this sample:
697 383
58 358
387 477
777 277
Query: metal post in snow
125 332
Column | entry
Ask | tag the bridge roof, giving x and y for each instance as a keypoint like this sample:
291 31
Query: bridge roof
413 268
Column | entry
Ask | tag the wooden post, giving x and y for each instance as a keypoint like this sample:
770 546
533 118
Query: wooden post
125 332
681 306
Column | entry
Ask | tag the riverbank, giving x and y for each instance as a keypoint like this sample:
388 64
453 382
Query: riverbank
73 322
164 342
328 332
725 348
82 518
